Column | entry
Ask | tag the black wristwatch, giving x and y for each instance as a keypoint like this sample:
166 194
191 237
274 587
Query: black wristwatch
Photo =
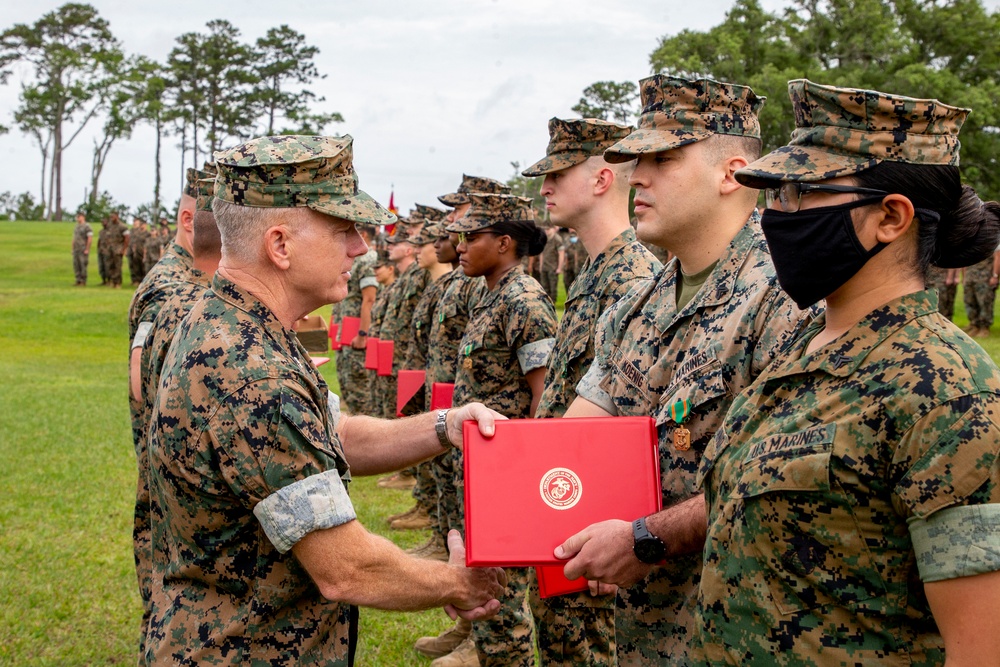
648 548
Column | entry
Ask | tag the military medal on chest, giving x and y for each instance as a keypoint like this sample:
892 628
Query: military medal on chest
467 362
682 437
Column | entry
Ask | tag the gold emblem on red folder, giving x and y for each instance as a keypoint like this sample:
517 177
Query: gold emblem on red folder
560 488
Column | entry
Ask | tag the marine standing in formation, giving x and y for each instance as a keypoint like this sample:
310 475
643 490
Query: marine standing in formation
853 489
588 195
677 347
83 236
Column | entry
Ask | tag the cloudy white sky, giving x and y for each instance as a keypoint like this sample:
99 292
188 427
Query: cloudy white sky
429 89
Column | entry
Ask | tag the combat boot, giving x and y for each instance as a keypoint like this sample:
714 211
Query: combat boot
393 517
463 656
416 521
432 549
446 642
398 481
982 332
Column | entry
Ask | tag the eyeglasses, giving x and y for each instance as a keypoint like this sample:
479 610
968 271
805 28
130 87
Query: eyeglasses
465 237
789 193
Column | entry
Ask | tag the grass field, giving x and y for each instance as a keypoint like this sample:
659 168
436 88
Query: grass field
67 582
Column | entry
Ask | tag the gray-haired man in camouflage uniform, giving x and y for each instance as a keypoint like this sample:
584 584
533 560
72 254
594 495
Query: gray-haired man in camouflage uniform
590 196
678 348
259 558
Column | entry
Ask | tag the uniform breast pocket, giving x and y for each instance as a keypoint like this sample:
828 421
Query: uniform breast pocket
446 312
800 524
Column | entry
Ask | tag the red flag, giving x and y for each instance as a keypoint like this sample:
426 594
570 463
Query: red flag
392 209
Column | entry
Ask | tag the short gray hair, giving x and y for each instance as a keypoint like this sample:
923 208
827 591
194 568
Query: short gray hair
241 227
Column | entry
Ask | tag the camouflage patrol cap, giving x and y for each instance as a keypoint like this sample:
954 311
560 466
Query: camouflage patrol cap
191 177
431 232
383 259
573 141
206 191
473 184
430 213
489 209
677 111
842 131
292 171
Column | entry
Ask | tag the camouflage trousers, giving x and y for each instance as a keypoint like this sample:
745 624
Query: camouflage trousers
353 379
449 502
102 265
80 260
385 397
142 530
425 494
574 629
937 280
550 283
979 295
149 262
113 265
135 267
654 619
505 640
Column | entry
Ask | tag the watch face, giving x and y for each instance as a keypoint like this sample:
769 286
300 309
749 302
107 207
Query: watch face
649 550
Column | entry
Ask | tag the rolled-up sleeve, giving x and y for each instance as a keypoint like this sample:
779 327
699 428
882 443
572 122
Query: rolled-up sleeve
314 503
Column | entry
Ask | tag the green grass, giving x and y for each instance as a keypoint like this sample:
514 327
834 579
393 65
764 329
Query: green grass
67 581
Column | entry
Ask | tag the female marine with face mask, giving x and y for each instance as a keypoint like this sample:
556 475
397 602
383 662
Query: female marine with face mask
853 489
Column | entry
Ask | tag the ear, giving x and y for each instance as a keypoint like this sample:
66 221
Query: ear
729 167
604 178
187 220
504 243
276 246
896 218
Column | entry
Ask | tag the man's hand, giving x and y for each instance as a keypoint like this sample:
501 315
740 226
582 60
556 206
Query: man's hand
602 552
486 584
359 342
474 411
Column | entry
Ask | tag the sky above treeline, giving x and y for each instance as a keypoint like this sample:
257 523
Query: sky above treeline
429 90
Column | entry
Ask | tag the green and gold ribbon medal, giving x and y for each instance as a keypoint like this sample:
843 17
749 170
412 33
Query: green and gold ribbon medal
682 437
467 362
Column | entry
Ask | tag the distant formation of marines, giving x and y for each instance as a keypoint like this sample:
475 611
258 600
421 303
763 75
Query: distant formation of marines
829 441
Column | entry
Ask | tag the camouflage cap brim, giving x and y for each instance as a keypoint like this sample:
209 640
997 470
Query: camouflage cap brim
454 199
804 164
467 224
556 162
359 207
652 141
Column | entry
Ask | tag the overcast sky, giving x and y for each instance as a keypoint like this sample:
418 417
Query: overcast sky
429 90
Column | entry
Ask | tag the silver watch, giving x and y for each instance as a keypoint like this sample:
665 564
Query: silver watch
441 428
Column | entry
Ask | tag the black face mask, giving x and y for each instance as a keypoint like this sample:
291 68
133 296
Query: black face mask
815 251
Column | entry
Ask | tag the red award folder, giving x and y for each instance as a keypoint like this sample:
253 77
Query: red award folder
408 383
332 333
441 393
552 582
385 357
371 354
349 328
554 477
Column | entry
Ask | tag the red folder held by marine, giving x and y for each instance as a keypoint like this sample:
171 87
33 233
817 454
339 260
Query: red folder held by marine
536 482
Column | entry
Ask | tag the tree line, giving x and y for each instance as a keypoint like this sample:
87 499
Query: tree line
944 49
213 89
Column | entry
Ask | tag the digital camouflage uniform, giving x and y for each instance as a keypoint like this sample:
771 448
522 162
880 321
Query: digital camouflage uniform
576 257
152 249
845 479
244 455
979 295
510 333
549 264
937 280
579 628
371 405
136 245
102 252
81 234
397 326
649 355
117 241
351 372
459 296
